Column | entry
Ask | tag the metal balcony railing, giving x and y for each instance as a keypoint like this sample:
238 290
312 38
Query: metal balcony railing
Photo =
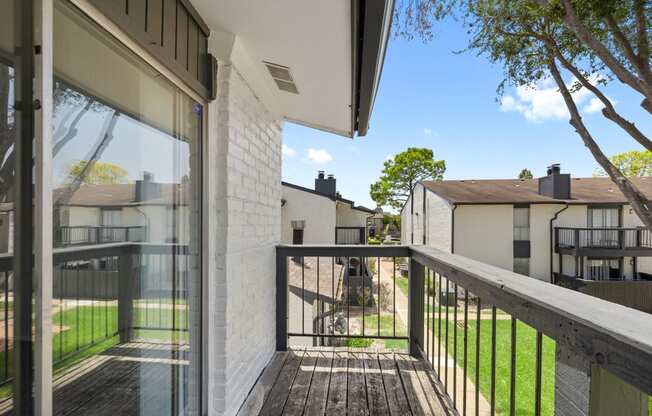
521 345
104 294
602 238
86 235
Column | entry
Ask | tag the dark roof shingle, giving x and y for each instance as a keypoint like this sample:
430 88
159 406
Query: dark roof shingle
515 191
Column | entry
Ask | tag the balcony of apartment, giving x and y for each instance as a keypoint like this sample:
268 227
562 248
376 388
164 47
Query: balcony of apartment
87 234
354 335
603 242
454 336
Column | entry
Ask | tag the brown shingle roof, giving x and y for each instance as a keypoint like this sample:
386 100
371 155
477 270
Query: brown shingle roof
515 191
118 195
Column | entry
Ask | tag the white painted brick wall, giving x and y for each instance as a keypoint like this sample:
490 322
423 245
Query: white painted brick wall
245 163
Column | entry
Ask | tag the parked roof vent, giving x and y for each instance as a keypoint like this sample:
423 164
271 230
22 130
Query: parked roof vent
282 77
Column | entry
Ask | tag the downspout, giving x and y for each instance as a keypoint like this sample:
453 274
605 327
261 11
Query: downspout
453 229
552 247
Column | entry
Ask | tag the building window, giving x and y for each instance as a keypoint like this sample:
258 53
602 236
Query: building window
608 217
521 223
522 265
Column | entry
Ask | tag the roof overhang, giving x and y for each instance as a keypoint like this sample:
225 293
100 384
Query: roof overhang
334 51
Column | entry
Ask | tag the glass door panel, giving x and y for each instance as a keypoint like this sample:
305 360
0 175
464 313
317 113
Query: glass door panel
126 162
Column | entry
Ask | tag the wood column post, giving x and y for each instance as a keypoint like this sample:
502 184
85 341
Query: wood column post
415 304
586 389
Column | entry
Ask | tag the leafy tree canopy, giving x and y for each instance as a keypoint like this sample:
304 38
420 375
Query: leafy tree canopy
101 173
525 174
632 163
400 174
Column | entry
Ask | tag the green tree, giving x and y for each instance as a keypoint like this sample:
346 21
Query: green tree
525 174
587 42
632 163
400 174
100 173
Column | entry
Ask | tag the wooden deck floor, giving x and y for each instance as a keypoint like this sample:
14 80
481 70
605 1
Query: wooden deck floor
337 382
117 382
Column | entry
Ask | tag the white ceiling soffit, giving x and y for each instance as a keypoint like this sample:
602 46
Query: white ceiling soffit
333 51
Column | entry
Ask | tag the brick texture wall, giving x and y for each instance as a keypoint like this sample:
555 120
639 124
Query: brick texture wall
244 155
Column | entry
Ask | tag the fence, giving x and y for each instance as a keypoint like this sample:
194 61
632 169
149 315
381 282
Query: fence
350 235
526 346
104 294
84 235
616 238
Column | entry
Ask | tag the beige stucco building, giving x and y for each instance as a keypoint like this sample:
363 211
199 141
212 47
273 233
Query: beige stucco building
321 215
579 227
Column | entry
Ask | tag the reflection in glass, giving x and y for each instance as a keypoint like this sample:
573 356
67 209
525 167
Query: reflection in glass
126 173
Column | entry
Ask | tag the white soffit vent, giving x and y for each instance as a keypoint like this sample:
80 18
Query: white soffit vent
281 75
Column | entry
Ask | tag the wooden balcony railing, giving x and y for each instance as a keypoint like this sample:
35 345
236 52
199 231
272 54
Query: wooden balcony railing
587 239
516 344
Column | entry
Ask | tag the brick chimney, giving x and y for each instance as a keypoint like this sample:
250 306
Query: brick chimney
325 185
555 185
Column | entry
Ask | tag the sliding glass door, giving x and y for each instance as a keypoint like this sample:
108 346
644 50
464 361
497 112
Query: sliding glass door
126 217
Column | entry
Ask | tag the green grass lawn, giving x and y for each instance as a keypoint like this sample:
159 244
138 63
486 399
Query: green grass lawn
386 329
90 330
525 363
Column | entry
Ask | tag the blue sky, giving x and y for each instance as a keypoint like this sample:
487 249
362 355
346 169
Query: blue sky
431 97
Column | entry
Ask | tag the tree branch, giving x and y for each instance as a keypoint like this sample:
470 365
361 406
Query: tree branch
627 48
624 75
641 32
637 200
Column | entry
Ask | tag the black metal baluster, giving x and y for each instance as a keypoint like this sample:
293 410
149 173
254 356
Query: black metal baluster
455 346
6 312
362 270
439 331
77 307
303 297
432 330
466 349
378 291
427 310
61 311
477 358
106 302
512 374
332 314
160 293
537 383
394 295
348 295
93 276
493 361
319 318
446 341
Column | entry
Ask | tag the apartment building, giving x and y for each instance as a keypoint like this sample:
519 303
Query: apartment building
321 215
546 227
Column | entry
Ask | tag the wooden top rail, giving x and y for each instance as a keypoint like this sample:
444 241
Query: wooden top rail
614 336
343 250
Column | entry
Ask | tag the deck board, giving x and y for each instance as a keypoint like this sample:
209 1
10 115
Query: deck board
336 381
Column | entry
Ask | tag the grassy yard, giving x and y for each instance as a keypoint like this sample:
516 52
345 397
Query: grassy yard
386 329
90 330
525 363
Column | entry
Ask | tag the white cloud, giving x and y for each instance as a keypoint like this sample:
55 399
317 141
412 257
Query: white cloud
319 155
544 102
389 157
594 106
287 151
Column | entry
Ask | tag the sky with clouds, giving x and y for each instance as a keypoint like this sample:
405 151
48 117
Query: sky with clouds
431 96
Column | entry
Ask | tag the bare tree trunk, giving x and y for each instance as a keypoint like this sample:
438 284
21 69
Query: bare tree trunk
636 198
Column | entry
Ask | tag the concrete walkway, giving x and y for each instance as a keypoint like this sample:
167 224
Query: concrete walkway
387 272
